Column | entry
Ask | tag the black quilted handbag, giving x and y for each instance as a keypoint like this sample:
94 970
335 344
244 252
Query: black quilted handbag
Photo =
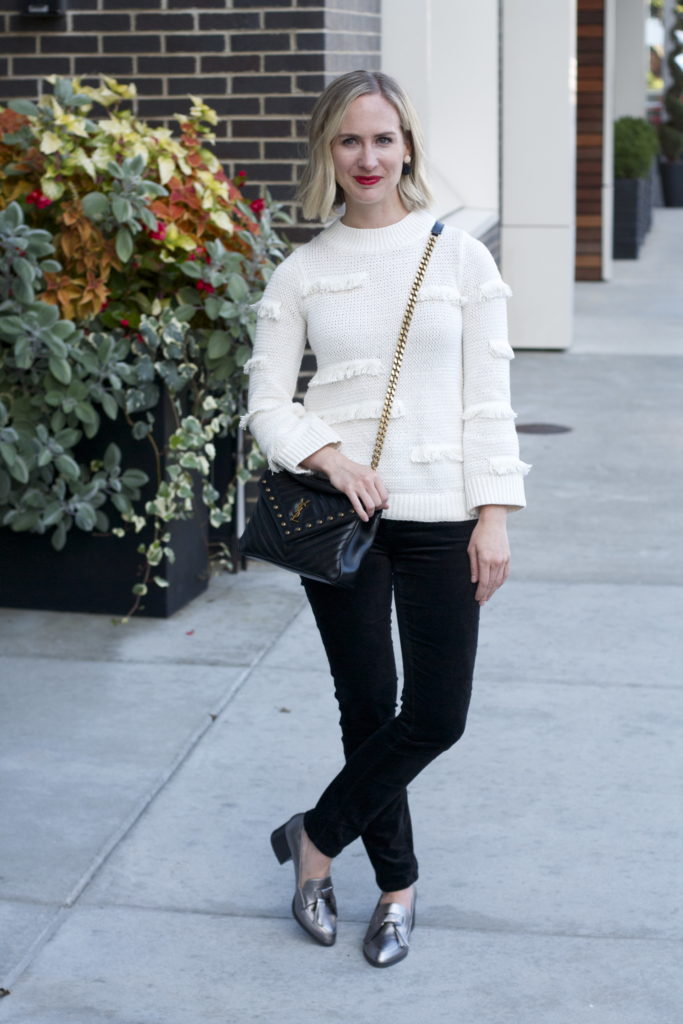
303 523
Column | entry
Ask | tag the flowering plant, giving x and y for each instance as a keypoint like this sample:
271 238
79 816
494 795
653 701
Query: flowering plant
128 265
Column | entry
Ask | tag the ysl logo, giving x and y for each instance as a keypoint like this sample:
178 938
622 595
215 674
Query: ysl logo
301 505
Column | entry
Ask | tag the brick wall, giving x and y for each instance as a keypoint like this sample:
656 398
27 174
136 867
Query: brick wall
260 65
589 138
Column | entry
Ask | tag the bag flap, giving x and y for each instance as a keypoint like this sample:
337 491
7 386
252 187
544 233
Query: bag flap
302 511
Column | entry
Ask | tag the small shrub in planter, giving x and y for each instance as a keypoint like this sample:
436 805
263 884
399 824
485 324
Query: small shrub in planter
635 147
128 266
671 132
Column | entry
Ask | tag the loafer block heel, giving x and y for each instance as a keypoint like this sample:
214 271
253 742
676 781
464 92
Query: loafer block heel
278 841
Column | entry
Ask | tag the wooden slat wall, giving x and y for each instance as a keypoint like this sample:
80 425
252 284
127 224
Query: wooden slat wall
589 138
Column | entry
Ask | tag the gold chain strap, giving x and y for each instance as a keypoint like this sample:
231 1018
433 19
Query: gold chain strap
400 349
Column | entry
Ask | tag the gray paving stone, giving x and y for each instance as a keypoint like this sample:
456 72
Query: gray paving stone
173 968
20 923
82 743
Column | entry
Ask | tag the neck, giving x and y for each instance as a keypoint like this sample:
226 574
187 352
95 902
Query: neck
375 216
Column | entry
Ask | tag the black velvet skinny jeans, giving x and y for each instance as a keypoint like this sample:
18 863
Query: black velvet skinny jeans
427 567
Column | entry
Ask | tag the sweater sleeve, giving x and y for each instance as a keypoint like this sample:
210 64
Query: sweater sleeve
493 470
286 433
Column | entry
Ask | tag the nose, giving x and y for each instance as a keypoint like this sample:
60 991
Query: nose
367 158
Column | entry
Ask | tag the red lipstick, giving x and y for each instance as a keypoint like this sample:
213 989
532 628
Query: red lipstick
367 181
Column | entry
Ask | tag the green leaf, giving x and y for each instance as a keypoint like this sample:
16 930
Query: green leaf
219 344
52 514
68 467
12 217
25 521
185 312
85 518
112 458
23 354
122 503
124 244
95 205
45 314
85 412
147 218
134 478
237 288
242 354
102 521
56 346
63 328
66 437
121 209
140 430
50 267
58 539
160 581
23 292
7 454
109 405
24 107
60 369
19 470
33 498
23 269
212 305
90 429
139 588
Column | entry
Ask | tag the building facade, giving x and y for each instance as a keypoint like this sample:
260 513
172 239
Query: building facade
517 101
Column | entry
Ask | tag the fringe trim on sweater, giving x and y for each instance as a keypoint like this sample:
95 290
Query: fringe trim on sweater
441 293
267 309
342 371
502 465
334 283
493 289
489 411
370 410
255 363
294 407
501 348
436 453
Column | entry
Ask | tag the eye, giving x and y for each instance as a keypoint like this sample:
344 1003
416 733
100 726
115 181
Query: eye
385 139
349 140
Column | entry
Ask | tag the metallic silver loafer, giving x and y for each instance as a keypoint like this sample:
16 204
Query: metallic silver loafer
387 939
314 906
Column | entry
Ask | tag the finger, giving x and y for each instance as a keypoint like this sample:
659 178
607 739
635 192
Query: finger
483 590
474 566
360 511
369 503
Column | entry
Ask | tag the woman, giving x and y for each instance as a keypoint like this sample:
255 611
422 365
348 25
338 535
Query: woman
449 474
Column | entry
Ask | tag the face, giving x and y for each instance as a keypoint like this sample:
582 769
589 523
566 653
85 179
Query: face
368 154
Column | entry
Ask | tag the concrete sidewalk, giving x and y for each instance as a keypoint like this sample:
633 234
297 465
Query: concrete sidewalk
144 766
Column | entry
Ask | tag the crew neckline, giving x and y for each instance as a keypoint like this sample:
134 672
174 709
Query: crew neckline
405 232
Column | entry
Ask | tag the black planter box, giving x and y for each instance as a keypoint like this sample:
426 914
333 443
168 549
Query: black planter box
672 182
96 573
632 216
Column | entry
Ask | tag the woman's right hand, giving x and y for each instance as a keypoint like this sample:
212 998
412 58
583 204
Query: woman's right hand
362 485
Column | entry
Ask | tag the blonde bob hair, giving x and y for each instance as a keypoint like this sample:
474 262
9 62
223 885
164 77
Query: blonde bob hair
319 193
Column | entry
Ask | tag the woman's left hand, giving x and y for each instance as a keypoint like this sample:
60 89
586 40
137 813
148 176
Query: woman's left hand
489 551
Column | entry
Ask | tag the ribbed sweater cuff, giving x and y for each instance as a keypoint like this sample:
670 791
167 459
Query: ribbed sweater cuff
316 435
495 490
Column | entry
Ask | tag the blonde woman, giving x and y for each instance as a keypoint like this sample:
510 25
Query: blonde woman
449 474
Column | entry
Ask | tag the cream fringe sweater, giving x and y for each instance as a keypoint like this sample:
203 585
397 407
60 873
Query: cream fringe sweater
451 444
